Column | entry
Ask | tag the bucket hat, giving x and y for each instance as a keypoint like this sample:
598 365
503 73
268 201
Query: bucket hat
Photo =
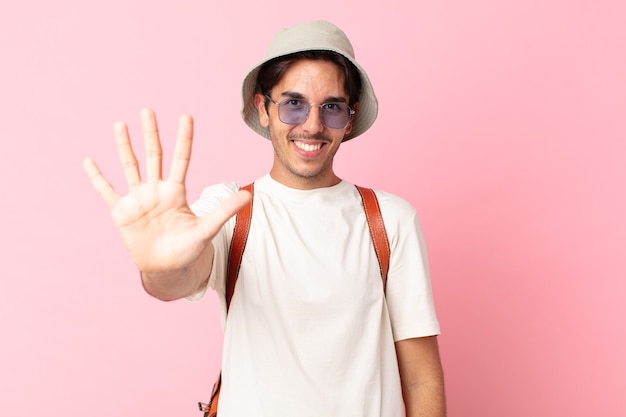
316 35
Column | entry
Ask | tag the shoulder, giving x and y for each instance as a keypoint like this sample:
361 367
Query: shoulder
394 207
399 216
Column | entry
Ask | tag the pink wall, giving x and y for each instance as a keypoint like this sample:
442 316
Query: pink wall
502 121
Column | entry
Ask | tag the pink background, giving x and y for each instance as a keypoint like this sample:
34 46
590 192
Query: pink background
503 122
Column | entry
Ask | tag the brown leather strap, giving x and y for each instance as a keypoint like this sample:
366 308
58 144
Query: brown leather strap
377 230
237 245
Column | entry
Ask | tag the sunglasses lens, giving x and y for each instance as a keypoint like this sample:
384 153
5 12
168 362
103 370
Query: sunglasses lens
295 112
335 115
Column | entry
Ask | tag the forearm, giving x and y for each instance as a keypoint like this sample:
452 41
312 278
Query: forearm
421 375
168 285
425 400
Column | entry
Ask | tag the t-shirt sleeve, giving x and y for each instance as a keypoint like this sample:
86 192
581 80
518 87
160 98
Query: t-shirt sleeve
409 292
209 200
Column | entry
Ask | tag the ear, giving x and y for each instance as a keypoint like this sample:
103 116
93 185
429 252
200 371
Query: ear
355 107
259 103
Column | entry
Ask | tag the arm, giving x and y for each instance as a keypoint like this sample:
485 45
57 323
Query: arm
422 377
168 285
170 245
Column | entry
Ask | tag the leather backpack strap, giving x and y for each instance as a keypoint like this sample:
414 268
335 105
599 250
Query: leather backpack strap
235 254
237 245
377 230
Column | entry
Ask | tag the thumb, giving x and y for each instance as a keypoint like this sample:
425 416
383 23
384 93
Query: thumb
211 223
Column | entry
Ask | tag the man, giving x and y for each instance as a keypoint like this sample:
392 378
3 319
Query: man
310 330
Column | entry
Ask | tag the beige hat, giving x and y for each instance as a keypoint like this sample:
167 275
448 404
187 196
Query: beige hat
311 36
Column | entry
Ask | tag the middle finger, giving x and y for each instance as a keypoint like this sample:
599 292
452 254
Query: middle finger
154 153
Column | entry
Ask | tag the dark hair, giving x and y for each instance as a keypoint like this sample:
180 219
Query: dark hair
272 71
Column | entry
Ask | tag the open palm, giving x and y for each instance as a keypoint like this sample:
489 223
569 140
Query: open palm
154 219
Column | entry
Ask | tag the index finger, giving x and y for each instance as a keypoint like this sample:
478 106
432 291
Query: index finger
182 150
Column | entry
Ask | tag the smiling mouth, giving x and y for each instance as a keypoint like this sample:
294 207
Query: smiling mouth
307 147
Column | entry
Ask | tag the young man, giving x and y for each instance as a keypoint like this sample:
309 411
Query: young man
310 329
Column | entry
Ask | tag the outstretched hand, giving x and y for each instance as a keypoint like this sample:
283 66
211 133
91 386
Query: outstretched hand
154 219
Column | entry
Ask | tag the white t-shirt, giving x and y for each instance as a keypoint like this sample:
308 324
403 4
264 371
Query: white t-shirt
310 331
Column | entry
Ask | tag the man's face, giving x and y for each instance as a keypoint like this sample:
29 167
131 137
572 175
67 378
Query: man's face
303 154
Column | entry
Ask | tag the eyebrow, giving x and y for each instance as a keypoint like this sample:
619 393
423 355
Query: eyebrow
300 96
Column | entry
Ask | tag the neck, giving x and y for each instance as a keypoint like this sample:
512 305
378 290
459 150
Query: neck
305 183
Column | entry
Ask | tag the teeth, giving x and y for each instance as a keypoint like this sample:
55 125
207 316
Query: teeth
308 147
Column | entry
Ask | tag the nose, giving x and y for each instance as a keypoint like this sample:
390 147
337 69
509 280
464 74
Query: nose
313 123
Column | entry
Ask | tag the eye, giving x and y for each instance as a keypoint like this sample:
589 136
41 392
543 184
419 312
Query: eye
293 104
333 107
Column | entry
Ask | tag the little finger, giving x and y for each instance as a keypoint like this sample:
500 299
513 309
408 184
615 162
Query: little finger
102 186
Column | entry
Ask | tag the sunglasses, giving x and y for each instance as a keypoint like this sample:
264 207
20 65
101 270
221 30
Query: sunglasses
293 111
